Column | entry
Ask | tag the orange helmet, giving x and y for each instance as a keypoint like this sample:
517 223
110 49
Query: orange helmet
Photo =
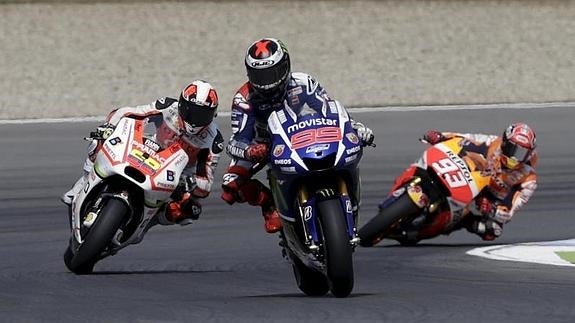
518 145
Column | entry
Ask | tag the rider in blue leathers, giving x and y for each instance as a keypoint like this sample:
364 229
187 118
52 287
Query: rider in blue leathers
270 85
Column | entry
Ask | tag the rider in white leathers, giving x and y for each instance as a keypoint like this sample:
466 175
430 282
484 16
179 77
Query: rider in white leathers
189 121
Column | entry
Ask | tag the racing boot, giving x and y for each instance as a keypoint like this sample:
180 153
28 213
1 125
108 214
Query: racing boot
488 230
272 219
182 212
256 193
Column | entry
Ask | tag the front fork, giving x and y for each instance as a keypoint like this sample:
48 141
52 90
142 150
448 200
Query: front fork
87 217
307 208
419 197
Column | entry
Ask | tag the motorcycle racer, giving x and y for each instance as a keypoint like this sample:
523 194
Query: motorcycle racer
510 160
271 85
189 121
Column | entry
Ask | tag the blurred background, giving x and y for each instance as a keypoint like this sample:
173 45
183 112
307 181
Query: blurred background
83 58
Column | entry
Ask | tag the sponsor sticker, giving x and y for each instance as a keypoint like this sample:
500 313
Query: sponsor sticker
316 148
282 161
278 150
352 137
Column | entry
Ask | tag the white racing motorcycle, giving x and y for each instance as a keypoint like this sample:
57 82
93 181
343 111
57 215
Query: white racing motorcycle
133 176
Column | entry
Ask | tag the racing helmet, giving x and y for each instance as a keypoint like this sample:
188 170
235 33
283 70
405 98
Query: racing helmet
197 106
517 145
268 68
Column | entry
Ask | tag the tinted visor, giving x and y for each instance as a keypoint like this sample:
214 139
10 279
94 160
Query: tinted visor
270 78
196 115
511 150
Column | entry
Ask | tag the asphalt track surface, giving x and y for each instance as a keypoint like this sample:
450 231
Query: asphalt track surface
226 268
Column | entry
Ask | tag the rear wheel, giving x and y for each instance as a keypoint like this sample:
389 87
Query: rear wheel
386 220
98 238
336 247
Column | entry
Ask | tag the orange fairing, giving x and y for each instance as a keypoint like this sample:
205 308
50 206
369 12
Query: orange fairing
462 176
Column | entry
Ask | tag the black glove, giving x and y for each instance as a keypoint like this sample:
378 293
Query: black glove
187 184
103 131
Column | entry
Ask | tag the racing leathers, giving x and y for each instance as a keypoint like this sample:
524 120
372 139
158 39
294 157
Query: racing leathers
249 144
508 190
203 150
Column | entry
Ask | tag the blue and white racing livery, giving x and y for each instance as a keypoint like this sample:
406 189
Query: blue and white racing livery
314 178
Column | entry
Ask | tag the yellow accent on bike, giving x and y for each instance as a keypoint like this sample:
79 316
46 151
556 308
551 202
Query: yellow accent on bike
149 161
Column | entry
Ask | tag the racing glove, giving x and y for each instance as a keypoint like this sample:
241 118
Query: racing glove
364 133
433 137
497 213
103 131
257 153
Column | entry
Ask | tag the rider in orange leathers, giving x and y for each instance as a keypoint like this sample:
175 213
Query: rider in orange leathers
510 160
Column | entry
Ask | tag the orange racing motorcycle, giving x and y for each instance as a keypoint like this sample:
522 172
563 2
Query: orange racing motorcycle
435 200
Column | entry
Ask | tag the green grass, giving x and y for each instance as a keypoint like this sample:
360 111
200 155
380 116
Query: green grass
567 255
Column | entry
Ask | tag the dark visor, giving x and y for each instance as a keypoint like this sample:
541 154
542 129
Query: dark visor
197 115
268 78
512 150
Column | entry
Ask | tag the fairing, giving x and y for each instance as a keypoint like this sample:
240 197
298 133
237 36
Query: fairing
134 154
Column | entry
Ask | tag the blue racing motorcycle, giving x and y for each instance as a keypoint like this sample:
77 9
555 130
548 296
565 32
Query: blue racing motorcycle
313 173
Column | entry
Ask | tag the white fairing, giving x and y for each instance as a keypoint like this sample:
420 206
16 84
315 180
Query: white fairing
112 160
343 118
275 126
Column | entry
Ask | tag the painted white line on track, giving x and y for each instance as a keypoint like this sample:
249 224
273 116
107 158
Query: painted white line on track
532 252
548 105
508 106
58 120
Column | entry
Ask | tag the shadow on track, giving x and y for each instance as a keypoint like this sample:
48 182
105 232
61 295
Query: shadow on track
300 295
155 272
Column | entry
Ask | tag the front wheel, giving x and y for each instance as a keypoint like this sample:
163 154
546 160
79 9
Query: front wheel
386 220
310 282
97 239
336 247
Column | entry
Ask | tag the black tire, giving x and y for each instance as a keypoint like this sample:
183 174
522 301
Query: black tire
98 238
78 270
310 282
381 225
337 249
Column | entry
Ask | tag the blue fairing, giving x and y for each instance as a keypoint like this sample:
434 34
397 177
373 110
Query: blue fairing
307 149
